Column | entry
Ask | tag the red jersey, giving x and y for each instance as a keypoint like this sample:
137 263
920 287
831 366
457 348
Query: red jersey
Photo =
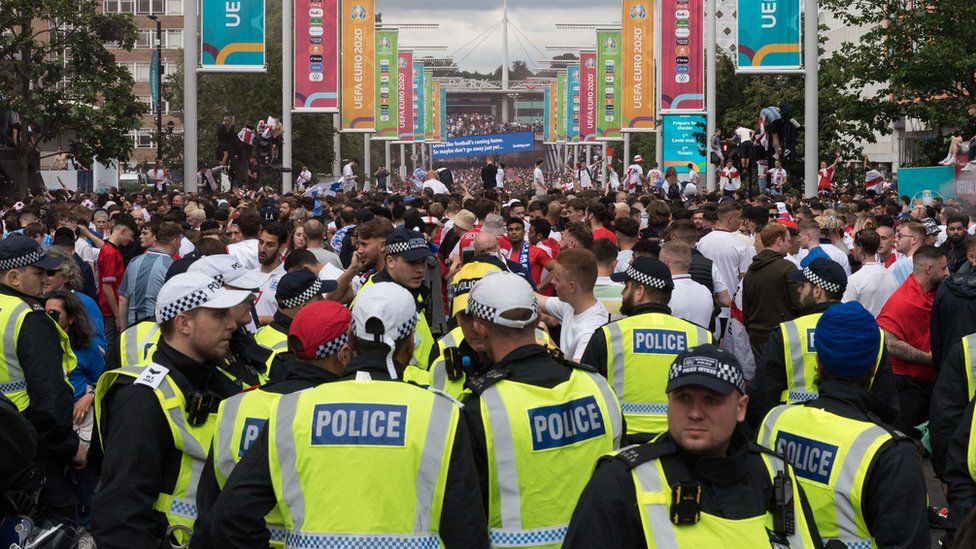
900 317
603 232
826 177
110 271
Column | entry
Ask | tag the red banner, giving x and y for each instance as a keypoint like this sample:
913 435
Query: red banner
683 57
588 95
405 96
316 71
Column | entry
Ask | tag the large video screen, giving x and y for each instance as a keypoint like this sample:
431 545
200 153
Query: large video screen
485 145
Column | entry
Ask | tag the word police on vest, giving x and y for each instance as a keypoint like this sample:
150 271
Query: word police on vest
565 424
811 459
252 429
660 342
359 424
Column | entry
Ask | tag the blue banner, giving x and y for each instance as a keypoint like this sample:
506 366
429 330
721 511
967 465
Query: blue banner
154 79
485 145
418 102
573 103
232 36
684 142
768 35
547 107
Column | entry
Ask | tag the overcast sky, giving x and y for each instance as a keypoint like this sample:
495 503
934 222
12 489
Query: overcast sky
462 20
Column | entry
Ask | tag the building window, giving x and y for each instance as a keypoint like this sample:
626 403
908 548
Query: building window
151 6
142 138
174 7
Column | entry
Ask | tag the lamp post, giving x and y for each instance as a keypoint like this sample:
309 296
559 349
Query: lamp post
159 84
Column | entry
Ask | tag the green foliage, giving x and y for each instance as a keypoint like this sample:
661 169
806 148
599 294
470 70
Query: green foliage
56 73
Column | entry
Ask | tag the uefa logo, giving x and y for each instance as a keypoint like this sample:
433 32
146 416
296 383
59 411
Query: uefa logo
358 12
385 44
590 63
638 12
610 44
402 63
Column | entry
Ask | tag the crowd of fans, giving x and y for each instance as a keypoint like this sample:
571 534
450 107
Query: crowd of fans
462 124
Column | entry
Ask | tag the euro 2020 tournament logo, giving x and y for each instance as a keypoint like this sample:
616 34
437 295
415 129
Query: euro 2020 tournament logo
609 44
385 44
590 63
638 12
358 12
402 63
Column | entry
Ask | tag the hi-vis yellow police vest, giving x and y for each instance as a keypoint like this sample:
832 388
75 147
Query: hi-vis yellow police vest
179 506
239 422
137 343
831 455
439 378
640 350
423 339
13 384
542 444
399 436
800 358
968 346
653 491
271 338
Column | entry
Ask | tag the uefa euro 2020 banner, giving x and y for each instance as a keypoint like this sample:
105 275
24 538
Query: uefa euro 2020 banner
608 75
561 106
405 100
358 57
386 84
316 69
683 57
419 102
232 36
768 35
552 112
442 125
637 35
588 96
572 103
484 145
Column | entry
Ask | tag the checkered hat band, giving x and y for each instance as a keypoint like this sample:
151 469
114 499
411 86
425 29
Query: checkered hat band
400 247
181 305
301 299
645 279
709 367
812 277
219 278
405 329
489 313
22 261
332 347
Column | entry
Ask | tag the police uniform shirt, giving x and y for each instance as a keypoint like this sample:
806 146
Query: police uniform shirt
769 382
245 358
596 351
237 517
893 501
300 376
950 397
734 487
140 458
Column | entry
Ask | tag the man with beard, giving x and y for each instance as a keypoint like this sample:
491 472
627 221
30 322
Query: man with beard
955 244
271 242
635 353
370 243
787 370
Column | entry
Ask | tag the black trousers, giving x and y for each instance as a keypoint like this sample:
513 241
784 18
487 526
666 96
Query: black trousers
914 397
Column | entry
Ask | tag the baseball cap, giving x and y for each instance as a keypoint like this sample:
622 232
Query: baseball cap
647 271
498 293
931 226
410 245
638 158
188 291
319 330
465 279
464 219
385 312
226 269
298 287
706 366
18 251
822 272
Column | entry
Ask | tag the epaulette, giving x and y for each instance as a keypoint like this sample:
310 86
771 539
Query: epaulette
481 383
558 356
635 455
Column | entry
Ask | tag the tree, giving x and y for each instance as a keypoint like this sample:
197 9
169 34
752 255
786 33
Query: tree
56 74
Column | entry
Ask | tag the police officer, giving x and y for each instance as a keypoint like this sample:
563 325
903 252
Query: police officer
703 483
295 290
155 421
36 356
318 339
954 388
406 265
634 353
360 461
863 479
537 425
787 371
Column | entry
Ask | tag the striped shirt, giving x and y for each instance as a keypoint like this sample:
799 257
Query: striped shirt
143 279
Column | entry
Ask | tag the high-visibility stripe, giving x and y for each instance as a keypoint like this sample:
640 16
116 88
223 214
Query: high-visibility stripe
844 512
504 445
15 374
133 354
361 541
224 460
430 463
657 514
285 447
795 368
969 343
617 350
616 417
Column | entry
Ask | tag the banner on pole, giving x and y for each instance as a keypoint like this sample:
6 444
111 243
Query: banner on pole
573 103
683 57
435 89
561 103
154 89
231 36
386 84
358 58
637 74
608 74
553 112
405 101
588 92
419 102
316 68
443 122
768 35
429 135
684 142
